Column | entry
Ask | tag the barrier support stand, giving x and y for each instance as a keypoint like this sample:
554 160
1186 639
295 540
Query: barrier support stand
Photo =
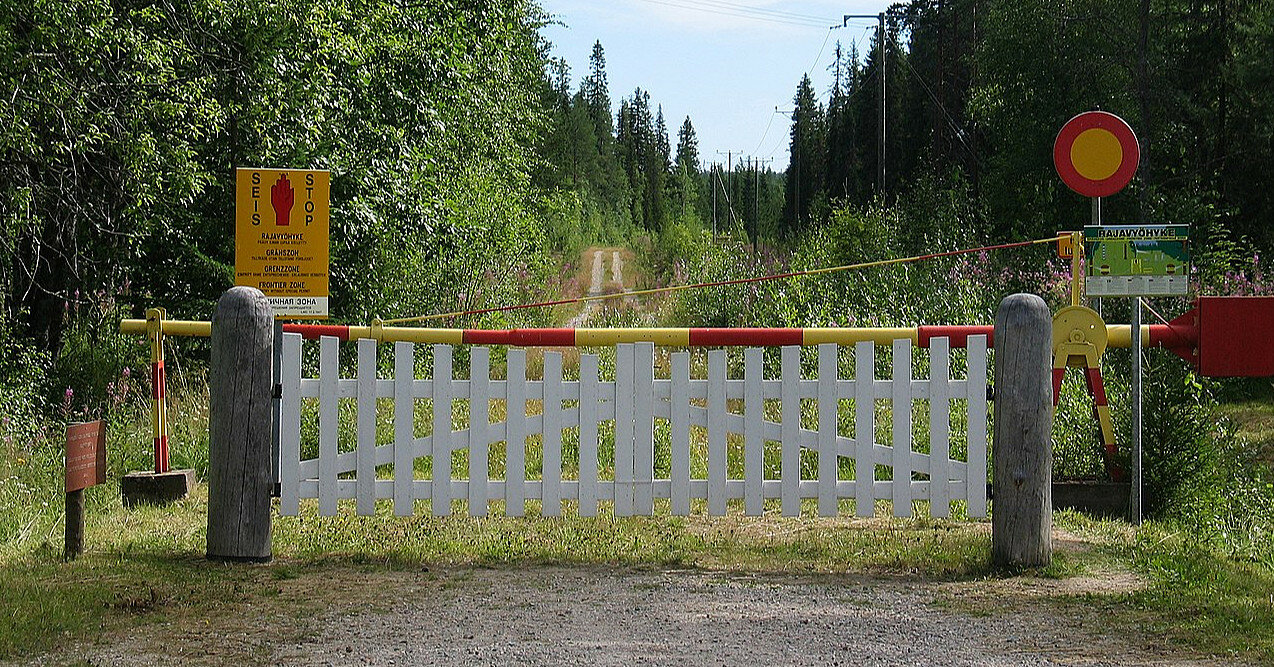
158 387
164 485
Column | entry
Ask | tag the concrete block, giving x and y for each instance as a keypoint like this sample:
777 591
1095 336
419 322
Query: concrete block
1104 499
156 488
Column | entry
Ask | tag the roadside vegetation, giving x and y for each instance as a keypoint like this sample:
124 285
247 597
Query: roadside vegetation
469 171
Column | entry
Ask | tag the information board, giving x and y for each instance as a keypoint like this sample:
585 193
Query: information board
281 241
85 455
1137 260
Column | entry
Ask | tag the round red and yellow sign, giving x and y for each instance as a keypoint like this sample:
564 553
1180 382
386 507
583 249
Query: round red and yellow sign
1096 154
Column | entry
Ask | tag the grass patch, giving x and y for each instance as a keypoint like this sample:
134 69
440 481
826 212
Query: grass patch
1192 595
1223 605
146 566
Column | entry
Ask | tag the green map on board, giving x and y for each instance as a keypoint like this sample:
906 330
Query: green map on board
1137 250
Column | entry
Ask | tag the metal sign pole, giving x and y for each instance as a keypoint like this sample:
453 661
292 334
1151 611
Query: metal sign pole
276 408
1097 223
1136 412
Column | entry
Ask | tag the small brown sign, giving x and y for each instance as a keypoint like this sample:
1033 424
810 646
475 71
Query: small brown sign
85 455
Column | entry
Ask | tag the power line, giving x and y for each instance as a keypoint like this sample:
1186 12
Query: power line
959 134
817 59
863 85
766 133
821 49
748 9
755 14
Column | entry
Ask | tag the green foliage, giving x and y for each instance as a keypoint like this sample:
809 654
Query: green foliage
118 159
99 365
1200 474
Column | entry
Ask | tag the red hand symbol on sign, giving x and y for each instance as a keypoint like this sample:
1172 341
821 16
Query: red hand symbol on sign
281 198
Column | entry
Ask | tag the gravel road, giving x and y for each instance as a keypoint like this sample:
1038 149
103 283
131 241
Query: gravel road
596 616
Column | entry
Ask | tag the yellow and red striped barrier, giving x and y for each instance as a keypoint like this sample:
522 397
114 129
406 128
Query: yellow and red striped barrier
1175 337
1180 337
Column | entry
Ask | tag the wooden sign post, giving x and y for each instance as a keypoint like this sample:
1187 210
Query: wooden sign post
85 467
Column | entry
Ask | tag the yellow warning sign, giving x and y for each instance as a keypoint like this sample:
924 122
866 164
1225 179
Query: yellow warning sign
281 241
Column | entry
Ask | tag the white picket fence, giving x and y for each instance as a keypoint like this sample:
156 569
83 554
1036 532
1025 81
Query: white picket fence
636 401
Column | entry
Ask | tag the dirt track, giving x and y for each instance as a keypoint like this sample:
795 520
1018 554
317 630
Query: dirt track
646 616
593 616
597 259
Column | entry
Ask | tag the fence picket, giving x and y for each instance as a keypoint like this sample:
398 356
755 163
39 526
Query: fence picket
790 464
753 438
588 395
551 472
290 428
441 500
624 357
365 461
975 472
644 429
865 428
679 426
515 435
637 401
901 408
404 428
828 404
329 376
939 428
479 418
717 448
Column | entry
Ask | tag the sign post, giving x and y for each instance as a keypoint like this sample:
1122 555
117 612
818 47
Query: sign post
85 467
282 247
1137 261
1096 155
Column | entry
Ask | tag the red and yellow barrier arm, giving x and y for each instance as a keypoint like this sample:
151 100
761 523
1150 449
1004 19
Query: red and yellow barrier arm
1154 335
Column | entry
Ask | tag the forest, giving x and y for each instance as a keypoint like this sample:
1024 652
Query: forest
469 169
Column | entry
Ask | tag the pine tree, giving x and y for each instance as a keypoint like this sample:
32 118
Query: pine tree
688 147
597 92
805 169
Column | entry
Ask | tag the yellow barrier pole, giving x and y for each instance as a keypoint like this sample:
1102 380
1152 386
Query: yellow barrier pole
1077 268
158 387
168 327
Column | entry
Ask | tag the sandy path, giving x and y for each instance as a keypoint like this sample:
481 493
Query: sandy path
599 616
594 288
617 275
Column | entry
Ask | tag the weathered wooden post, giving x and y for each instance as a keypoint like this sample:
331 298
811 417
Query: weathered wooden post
239 478
1022 516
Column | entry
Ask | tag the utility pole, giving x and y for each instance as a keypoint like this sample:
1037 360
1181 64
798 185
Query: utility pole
712 176
756 201
880 135
729 165
729 162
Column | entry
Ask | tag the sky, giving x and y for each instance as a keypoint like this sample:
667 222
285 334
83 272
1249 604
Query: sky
728 64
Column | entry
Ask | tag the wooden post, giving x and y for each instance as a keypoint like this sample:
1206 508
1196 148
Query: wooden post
74 544
1022 516
239 474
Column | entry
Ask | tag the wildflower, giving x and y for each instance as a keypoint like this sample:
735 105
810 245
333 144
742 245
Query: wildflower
21 461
